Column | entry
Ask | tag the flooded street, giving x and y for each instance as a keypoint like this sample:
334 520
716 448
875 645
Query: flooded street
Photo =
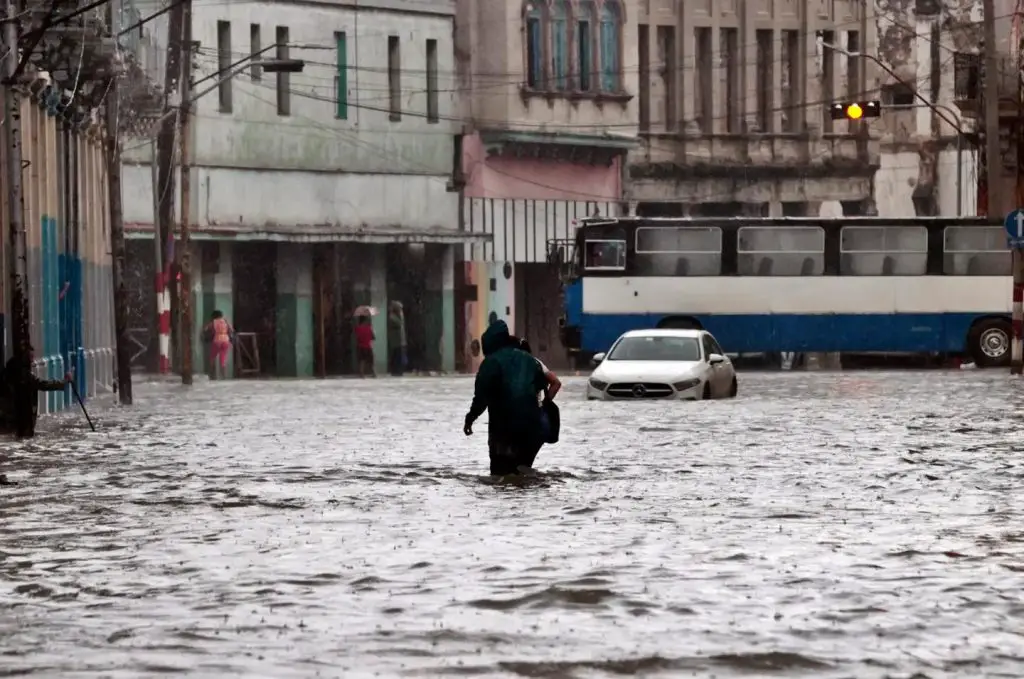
857 525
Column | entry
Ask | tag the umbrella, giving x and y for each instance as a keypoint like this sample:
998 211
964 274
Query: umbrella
364 310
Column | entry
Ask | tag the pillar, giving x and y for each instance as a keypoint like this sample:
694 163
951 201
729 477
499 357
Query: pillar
218 295
439 308
294 321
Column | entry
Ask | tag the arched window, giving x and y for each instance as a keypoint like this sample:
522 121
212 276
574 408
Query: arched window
586 23
611 33
560 44
533 39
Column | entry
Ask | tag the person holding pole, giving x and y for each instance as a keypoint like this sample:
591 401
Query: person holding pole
19 396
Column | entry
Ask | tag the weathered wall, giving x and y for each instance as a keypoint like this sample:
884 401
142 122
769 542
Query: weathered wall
921 171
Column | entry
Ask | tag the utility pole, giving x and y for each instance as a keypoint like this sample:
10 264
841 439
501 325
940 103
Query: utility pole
117 246
163 189
186 328
18 259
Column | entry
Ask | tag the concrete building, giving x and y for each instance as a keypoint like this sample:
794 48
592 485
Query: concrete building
733 108
928 160
319 191
550 113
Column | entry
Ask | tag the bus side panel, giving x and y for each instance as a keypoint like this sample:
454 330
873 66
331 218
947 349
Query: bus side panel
748 333
572 295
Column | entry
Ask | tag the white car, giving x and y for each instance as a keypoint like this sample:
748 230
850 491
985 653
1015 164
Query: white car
676 364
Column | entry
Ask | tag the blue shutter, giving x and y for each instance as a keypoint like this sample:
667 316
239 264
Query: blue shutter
609 48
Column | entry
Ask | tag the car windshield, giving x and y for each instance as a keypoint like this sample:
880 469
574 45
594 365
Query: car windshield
656 348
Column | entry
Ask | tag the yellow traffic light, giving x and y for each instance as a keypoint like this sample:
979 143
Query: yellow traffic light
856 110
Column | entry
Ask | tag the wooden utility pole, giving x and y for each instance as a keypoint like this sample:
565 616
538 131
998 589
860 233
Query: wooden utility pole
163 188
117 245
17 245
187 327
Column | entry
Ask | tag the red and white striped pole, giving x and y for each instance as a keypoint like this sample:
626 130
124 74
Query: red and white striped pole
163 308
1017 311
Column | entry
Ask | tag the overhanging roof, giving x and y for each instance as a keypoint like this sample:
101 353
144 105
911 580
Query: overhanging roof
320 234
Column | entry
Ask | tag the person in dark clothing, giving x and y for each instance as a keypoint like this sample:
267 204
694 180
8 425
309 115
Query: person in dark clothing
507 385
551 419
19 395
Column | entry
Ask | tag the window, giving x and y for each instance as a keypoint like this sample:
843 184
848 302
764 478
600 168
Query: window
394 78
791 81
611 22
284 81
655 348
534 43
433 113
667 48
644 72
678 251
898 95
828 78
341 78
604 255
704 106
585 45
765 81
883 250
780 250
975 251
730 55
853 65
255 72
560 44
224 65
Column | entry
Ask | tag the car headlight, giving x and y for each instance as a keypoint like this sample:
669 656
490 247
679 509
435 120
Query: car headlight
598 384
683 385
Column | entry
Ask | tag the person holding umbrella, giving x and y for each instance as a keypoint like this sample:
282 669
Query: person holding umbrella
365 338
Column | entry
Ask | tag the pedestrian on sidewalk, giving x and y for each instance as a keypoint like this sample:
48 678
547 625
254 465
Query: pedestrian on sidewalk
399 356
364 346
19 395
221 336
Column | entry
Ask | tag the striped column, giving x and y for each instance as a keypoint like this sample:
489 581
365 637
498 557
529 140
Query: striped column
163 309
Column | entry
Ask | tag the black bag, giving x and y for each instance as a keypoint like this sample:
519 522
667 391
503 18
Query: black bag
553 417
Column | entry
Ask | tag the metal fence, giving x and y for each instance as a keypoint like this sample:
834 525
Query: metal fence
520 229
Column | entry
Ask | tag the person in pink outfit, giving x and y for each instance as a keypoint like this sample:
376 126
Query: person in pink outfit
221 336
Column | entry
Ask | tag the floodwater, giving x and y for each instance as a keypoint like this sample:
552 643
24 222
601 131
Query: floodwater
821 525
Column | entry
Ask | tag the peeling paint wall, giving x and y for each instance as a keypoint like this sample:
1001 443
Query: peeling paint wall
921 171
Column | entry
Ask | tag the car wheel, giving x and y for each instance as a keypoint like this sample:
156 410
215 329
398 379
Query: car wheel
733 388
989 342
707 391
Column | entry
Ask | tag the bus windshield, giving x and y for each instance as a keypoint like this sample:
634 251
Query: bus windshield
655 349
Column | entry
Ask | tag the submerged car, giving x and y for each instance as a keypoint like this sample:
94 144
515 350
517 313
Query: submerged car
674 364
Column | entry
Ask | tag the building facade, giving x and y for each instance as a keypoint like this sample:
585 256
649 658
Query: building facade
734 108
316 192
550 113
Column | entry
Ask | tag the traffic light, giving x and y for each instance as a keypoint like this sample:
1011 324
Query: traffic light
855 110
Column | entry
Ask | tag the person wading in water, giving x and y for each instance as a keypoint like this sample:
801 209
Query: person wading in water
551 419
19 395
507 385
219 333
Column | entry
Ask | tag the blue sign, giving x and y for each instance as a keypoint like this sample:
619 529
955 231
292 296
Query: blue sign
1014 225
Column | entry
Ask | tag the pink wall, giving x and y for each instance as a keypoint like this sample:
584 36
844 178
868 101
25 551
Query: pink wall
536 179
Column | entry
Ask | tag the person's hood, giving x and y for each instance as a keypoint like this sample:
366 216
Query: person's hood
495 338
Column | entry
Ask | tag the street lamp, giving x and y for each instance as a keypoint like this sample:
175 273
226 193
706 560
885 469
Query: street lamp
939 110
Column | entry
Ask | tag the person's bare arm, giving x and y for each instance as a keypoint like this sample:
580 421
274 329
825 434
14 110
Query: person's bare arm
554 384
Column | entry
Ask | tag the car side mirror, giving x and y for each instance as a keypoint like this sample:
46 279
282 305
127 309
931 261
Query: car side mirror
715 359
598 357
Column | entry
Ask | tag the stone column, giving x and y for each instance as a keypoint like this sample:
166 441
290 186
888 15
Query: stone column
439 308
294 322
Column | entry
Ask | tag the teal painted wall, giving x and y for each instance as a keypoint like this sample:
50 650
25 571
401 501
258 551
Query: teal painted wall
294 320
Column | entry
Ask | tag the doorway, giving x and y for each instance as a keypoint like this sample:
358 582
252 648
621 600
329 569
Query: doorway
255 298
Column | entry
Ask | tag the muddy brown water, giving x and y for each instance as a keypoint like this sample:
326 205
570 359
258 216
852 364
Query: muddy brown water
854 525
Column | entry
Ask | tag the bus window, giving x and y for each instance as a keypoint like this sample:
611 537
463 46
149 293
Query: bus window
883 250
678 251
604 255
975 251
781 250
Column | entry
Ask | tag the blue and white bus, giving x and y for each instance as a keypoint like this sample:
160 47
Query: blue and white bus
857 285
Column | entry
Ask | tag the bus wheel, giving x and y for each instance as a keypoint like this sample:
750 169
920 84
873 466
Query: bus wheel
989 342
